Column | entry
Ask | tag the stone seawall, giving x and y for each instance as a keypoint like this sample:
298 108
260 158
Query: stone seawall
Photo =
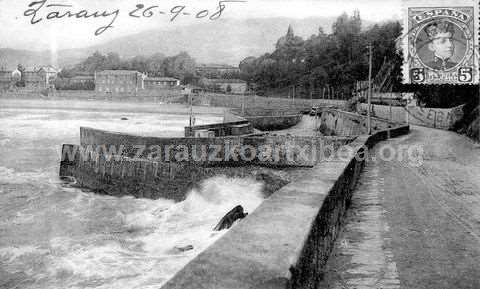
141 178
266 119
262 150
442 118
342 123
157 95
270 123
285 242
231 128
248 101
122 164
258 111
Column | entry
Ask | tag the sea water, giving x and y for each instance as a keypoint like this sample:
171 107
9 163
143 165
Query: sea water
56 236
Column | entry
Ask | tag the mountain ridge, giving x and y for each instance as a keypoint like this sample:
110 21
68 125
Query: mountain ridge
222 41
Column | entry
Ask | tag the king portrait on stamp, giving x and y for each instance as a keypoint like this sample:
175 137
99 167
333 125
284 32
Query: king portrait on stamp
439 42
440 33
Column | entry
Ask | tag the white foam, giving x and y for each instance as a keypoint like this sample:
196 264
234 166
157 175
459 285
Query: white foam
12 176
11 253
87 240
142 254
23 218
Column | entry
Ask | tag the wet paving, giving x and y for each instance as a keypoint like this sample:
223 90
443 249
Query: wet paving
362 257
413 224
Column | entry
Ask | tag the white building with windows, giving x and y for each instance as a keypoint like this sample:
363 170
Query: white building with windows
119 81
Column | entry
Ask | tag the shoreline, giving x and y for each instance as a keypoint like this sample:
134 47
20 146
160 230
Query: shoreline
103 105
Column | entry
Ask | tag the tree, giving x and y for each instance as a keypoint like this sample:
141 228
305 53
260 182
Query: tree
20 67
95 62
346 31
335 60
179 65
138 63
155 65
113 61
319 77
67 72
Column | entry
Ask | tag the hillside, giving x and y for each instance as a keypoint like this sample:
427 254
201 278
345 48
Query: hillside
227 42
10 58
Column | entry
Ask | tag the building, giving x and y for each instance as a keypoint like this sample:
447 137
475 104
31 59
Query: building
48 73
78 82
161 82
6 79
234 86
216 70
80 79
30 78
119 81
34 80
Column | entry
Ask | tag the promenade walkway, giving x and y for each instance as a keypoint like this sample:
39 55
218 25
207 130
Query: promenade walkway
413 226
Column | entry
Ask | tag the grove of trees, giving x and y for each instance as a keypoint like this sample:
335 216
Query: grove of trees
334 60
181 66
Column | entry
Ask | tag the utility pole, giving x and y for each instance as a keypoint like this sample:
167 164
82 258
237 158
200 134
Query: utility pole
243 104
311 94
369 121
293 95
190 100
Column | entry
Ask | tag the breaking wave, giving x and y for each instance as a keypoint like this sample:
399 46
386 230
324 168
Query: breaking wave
123 242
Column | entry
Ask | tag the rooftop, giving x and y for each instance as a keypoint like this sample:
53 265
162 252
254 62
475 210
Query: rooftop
220 80
216 66
48 69
161 79
80 77
118 72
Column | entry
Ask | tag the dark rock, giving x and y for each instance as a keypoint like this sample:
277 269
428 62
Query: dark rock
184 248
227 221
470 123
68 179
473 130
124 118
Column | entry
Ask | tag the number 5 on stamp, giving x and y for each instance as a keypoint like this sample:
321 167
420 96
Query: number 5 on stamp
465 74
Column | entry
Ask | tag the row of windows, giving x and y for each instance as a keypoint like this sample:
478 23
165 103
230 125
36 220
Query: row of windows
116 77
171 83
113 81
115 89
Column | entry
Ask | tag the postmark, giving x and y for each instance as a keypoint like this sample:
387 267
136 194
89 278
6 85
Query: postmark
440 42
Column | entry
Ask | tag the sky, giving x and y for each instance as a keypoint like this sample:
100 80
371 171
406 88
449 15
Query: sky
18 32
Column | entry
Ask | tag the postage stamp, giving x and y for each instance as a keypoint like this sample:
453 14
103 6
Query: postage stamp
440 42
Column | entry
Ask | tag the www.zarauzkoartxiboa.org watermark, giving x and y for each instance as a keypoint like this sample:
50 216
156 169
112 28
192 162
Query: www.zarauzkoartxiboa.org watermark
284 154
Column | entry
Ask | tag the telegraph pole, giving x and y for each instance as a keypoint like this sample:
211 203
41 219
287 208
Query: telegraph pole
311 93
190 100
243 104
369 121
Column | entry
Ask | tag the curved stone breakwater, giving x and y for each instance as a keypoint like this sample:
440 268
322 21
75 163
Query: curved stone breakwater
267 119
151 167
286 241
